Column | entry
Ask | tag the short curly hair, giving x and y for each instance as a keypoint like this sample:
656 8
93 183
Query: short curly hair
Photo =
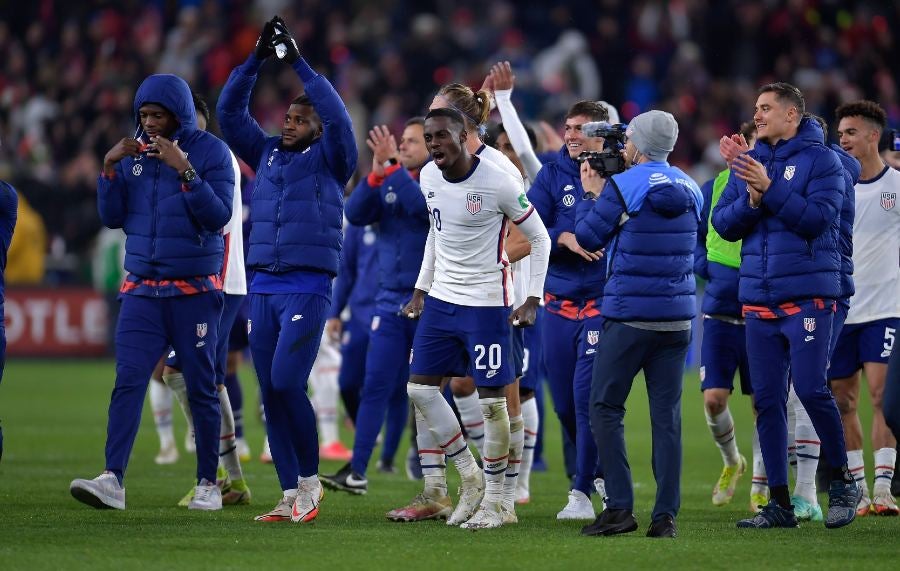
868 110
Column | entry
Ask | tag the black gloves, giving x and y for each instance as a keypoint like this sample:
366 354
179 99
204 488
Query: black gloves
283 43
264 47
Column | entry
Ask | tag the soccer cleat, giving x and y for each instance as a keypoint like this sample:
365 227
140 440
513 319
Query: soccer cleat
167 454
223 480
346 480
266 455
771 515
843 499
237 495
413 464
757 501
728 480
190 446
385 467
470 495
863 506
306 505
523 495
487 517
281 511
335 451
207 496
103 492
805 510
509 515
422 508
579 507
611 522
243 449
883 503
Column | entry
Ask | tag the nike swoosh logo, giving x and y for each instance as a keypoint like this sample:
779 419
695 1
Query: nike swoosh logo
294 511
296 318
351 481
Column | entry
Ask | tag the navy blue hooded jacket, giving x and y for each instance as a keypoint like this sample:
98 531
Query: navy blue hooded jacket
647 219
720 296
296 208
852 170
790 249
400 214
9 211
171 233
555 193
353 284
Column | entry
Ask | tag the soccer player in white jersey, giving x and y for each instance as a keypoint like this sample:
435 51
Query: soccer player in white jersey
867 338
465 317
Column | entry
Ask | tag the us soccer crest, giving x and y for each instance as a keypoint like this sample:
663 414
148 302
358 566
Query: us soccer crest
201 330
593 337
888 200
789 172
809 323
473 203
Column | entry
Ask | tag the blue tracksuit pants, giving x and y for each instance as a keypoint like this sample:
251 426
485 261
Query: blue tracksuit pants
354 346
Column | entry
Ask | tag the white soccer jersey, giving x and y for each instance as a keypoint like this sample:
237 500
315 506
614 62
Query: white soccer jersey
469 222
876 249
234 277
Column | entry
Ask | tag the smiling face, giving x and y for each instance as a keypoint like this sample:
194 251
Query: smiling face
301 127
775 118
576 142
445 140
858 136
412 148
157 120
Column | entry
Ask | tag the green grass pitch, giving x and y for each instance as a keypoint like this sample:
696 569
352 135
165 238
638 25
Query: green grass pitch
54 420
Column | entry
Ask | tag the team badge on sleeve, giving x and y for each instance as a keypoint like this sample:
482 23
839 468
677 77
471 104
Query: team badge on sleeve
523 200
473 203
809 323
888 200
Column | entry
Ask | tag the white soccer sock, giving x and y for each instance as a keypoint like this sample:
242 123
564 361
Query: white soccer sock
760 482
513 466
808 447
472 419
496 447
444 427
175 381
431 459
722 428
857 467
228 454
885 459
161 404
532 421
793 403
324 383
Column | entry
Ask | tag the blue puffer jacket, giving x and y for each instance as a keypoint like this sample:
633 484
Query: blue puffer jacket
790 248
852 170
353 286
171 233
555 193
647 218
297 204
398 210
720 296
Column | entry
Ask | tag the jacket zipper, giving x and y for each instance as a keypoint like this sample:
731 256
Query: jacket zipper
154 209
278 214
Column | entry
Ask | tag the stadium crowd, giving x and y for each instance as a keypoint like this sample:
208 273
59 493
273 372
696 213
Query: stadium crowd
70 70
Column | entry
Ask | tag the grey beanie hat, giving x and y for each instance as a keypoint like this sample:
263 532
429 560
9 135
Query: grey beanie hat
654 134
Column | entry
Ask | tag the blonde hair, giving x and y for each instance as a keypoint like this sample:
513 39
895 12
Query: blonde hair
474 106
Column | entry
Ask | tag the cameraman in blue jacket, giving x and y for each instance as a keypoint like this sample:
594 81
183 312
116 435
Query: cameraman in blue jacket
784 202
171 189
296 211
646 217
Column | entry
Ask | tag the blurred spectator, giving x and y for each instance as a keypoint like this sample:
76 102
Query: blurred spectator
28 250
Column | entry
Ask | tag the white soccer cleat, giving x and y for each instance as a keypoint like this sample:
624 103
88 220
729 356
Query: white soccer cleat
167 454
883 503
509 515
103 492
266 455
523 495
207 497
306 506
190 446
243 449
281 511
487 517
579 507
470 495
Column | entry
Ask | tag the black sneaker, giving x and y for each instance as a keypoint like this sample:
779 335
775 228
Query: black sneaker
611 522
771 515
346 480
385 467
843 498
663 526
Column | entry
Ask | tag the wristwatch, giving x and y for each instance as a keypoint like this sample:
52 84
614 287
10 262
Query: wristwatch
390 162
188 175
